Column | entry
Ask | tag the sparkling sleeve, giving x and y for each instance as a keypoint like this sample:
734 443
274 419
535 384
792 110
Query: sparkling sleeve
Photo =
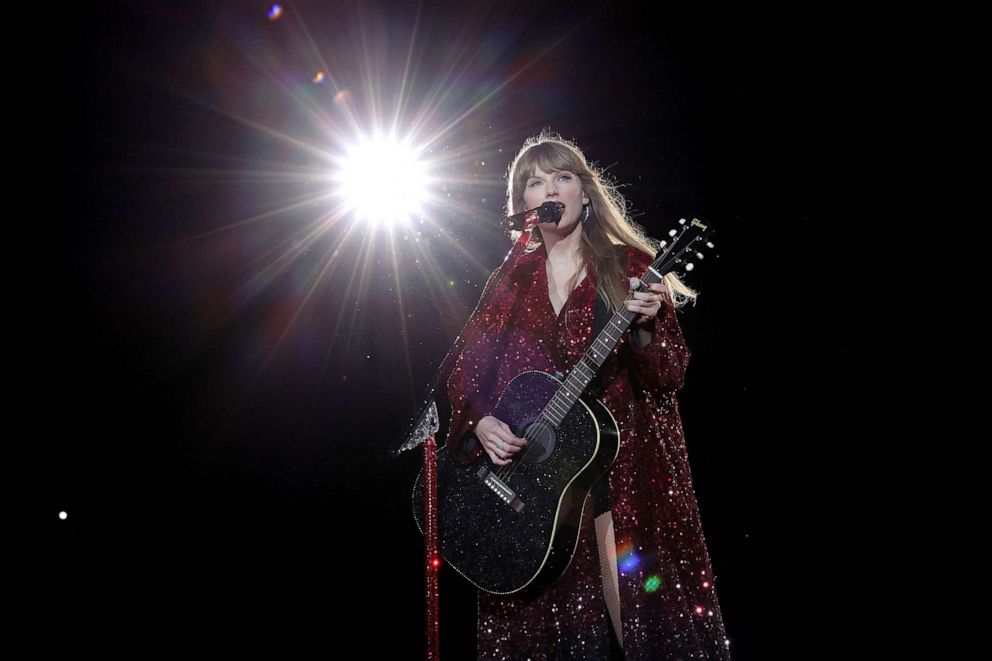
471 386
472 396
660 365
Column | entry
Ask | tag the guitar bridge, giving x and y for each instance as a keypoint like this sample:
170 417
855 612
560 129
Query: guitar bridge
500 488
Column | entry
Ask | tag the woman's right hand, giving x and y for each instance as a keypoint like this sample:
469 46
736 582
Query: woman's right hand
497 439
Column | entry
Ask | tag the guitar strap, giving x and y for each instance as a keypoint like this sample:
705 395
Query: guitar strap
600 317
600 491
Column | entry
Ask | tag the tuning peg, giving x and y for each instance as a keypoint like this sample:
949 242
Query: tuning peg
689 266
709 244
681 221
699 255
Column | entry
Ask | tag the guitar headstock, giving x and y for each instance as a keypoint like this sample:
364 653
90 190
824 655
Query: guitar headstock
686 250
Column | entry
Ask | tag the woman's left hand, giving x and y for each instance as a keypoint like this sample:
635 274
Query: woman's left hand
646 304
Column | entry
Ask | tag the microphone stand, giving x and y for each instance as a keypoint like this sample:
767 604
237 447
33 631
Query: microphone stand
427 423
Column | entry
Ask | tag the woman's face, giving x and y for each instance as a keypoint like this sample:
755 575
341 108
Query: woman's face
562 187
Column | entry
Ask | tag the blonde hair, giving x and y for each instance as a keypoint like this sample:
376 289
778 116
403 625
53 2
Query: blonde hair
609 224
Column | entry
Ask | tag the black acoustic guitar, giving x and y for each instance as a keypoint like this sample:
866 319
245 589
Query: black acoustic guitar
515 528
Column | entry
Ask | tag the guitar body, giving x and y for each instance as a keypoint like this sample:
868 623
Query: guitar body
516 527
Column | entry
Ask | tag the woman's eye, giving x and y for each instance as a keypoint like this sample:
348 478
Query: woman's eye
566 177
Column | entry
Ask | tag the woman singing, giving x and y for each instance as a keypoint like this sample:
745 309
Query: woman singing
640 584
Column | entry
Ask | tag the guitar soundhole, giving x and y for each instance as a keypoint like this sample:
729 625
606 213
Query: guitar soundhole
540 441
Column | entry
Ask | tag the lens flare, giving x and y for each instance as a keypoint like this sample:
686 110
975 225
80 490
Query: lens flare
652 584
383 181
627 558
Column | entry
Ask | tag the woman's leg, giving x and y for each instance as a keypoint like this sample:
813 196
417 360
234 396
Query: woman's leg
608 567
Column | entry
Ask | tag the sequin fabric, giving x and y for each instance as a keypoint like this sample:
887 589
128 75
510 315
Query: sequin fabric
668 601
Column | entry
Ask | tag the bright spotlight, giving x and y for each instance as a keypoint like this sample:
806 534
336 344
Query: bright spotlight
382 181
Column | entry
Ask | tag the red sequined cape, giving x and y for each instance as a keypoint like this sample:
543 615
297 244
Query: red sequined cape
668 601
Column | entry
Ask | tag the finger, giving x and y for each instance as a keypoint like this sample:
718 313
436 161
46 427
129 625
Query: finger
507 443
649 304
499 445
645 296
494 454
503 449
510 437
499 453
514 440
512 448
645 312
512 445
497 460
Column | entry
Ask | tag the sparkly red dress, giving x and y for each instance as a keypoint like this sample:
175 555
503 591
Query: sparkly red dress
668 601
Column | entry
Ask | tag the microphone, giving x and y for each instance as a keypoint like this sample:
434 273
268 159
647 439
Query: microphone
549 212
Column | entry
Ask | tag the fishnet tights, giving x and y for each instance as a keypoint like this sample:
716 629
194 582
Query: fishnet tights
608 567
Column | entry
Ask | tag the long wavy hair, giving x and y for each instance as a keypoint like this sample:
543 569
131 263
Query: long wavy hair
609 224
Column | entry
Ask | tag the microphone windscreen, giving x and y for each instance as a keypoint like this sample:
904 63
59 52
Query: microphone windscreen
549 212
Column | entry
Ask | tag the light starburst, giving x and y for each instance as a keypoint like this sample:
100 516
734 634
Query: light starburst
382 180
